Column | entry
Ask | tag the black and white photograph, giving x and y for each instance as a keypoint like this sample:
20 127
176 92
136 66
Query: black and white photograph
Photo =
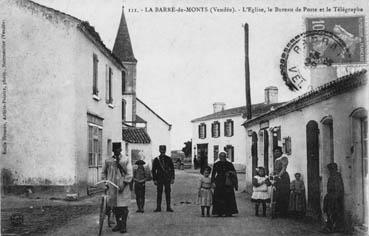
184 117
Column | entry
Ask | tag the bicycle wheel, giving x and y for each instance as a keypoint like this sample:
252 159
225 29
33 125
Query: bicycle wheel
102 214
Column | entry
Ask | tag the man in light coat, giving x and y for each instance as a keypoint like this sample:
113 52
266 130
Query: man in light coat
118 169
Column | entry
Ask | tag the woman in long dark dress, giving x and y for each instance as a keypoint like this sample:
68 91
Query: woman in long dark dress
282 182
224 201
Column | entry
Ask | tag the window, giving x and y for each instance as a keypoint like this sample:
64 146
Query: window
94 140
109 86
109 148
287 145
215 129
230 152
202 130
94 145
228 128
123 82
123 110
216 152
95 91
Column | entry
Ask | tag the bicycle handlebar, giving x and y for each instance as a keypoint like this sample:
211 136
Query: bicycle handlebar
107 182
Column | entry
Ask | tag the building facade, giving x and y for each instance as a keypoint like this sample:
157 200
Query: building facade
327 124
158 128
222 131
63 99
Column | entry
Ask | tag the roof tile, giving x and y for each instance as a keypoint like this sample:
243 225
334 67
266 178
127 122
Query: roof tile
257 109
136 135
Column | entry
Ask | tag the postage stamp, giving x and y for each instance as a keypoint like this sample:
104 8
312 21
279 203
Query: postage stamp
308 50
349 29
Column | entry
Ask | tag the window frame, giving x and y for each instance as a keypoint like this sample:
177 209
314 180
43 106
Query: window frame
230 148
200 127
216 152
124 105
95 145
287 145
124 85
95 74
230 123
215 129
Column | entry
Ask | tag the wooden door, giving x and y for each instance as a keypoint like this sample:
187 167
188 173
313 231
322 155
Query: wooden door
254 152
202 154
312 147
364 164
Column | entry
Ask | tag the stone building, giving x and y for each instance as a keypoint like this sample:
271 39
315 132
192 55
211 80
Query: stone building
327 124
69 99
222 131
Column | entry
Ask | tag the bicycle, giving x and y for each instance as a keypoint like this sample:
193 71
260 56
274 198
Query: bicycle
104 203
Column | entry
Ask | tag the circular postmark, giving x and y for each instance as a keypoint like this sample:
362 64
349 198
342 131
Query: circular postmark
310 49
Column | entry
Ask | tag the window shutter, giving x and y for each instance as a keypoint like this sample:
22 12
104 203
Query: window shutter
232 153
106 84
204 131
218 128
212 130
231 124
225 129
199 129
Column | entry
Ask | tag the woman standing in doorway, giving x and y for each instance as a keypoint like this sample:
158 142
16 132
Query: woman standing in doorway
282 182
224 177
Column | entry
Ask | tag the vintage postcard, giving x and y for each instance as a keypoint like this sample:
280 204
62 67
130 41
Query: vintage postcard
184 117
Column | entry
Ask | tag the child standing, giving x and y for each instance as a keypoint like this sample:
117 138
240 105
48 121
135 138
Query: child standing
297 197
139 178
260 190
205 194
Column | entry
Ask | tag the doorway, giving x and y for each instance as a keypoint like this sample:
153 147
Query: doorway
313 176
254 152
266 152
202 155
360 155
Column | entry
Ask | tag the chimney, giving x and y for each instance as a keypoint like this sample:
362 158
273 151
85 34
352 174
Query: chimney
271 95
218 106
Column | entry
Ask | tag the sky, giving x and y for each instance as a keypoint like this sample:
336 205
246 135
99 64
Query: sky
188 61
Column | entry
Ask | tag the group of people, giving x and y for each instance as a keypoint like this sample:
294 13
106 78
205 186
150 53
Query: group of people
290 196
224 181
118 170
217 187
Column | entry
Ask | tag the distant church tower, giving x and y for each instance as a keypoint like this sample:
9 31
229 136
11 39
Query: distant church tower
123 51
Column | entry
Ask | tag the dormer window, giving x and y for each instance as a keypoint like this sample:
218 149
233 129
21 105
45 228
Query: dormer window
215 129
202 131
228 128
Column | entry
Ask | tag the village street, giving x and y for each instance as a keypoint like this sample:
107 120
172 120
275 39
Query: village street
186 219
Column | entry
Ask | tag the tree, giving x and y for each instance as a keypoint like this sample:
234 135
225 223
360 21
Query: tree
187 149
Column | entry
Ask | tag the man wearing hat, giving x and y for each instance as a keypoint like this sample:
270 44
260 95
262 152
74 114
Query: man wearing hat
140 176
118 169
163 176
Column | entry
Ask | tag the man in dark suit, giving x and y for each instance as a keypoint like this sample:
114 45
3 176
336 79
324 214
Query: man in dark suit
163 176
